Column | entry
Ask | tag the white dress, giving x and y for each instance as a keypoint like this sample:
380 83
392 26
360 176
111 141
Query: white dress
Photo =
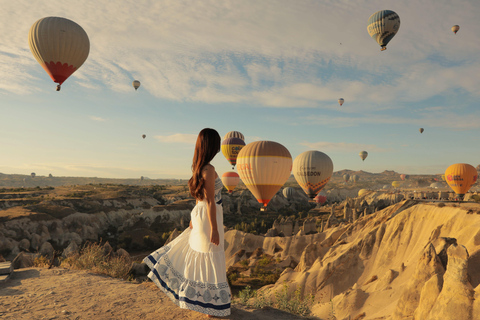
191 270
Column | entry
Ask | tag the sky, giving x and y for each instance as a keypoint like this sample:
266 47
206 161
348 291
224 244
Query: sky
271 69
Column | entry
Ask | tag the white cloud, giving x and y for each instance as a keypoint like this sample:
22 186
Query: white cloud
271 53
178 138
94 118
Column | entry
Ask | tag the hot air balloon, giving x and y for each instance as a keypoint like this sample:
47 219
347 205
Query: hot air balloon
230 180
361 192
437 185
230 149
346 177
312 170
144 136
460 177
404 176
136 84
32 174
60 46
363 155
396 184
455 28
288 192
234 134
320 198
141 178
355 178
421 130
340 101
264 166
382 27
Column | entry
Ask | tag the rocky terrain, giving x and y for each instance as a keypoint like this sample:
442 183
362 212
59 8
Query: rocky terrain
384 254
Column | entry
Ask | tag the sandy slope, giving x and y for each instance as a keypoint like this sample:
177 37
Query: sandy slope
37 293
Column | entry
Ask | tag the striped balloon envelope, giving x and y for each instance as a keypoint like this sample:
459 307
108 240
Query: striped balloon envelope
363 155
234 134
383 26
60 46
312 170
264 167
461 177
230 149
288 192
230 180
136 84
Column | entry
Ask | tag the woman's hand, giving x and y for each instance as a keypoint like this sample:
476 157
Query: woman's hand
214 237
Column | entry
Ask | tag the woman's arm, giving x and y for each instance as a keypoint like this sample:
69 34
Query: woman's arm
209 177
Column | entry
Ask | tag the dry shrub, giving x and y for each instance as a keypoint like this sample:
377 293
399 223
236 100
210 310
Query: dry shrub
41 262
91 257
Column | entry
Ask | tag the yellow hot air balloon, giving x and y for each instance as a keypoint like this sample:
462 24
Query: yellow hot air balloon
355 178
60 46
312 170
234 134
230 180
363 155
136 84
383 26
230 149
455 28
460 177
340 101
396 184
264 166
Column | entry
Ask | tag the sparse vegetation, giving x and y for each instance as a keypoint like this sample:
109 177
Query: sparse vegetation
296 304
91 257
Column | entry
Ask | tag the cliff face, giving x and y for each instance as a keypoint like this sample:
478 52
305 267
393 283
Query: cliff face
408 261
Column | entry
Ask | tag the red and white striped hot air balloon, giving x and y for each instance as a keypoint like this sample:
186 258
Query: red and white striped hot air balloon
230 180
60 46
264 167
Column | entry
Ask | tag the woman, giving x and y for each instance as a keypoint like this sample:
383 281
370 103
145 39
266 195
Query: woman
191 269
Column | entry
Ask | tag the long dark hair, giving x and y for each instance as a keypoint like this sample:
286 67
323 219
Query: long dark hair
207 146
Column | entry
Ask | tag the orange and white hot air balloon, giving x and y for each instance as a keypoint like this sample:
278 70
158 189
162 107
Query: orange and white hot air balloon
460 177
60 46
264 167
455 28
230 149
312 170
230 180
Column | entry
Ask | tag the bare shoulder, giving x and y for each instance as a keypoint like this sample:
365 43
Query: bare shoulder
208 171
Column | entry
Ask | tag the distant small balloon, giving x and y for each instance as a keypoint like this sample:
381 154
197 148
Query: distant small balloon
455 28
421 130
288 192
33 174
363 155
341 101
144 136
136 84
346 177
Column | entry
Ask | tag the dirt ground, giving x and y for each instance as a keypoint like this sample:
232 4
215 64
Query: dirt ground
38 293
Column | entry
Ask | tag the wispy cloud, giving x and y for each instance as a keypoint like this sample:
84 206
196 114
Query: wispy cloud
269 53
178 138
94 118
